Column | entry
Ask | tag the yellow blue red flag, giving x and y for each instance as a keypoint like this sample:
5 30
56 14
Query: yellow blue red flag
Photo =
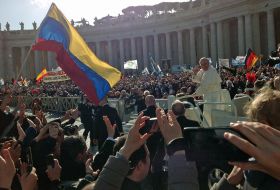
94 77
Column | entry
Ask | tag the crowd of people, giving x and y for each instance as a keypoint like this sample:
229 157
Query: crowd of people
40 154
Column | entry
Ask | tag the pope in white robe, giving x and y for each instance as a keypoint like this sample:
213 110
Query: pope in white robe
209 87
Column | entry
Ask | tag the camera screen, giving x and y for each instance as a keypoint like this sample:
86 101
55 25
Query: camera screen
210 144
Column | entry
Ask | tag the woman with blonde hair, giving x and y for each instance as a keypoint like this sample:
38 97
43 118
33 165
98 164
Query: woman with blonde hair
265 108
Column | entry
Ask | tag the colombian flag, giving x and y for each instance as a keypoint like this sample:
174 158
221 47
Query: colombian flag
250 59
92 75
41 75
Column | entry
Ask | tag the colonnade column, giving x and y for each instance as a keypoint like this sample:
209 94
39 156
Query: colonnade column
110 52
248 32
24 67
168 46
180 47
122 55
220 39
97 51
10 73
270 31
256 32
241 47
205 41
37 62
145 51
156 48
133 49
213 43
192 47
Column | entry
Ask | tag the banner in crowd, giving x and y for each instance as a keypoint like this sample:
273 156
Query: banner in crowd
57 69
239 61
131 64
2 82
224 62
94 77
55 78
145 71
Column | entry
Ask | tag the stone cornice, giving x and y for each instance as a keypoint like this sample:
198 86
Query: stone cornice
213 11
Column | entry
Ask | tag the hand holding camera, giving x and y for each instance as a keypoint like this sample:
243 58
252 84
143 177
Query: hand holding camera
169 126
7 169
262 144
134 139
21 133
53 168
28 179
110 128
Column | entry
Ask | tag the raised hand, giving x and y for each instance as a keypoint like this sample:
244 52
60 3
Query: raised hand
42 133
53 173
134 139
89 169
264 146
7 100
27 180
7 169
110 128
169 126
21 133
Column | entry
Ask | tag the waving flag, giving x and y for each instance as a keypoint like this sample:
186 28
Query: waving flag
250 60
41 75
92 75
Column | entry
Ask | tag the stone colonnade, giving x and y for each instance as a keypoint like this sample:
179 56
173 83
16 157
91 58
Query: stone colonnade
182 39
218 39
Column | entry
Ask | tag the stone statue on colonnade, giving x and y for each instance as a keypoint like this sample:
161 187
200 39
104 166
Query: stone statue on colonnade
7 26
34 25
21 25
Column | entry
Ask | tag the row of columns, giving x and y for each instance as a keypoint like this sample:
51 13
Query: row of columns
33 64
145 48
247 38
248 32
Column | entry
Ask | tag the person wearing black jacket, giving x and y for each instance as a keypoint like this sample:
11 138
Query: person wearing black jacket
104 109
155 146
85 109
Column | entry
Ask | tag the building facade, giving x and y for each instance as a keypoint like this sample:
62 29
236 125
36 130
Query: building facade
178 32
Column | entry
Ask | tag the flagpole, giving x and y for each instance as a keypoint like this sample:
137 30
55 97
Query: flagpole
22 65
24 62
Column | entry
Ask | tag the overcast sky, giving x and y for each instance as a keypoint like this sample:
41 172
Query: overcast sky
28 11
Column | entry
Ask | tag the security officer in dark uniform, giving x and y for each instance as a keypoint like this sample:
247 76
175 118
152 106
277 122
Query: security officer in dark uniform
103 109
86 109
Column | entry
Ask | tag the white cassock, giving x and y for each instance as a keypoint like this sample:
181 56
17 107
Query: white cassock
210 89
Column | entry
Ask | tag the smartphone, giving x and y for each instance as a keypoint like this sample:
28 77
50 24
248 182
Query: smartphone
50 160
209 144
28 159
148 125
